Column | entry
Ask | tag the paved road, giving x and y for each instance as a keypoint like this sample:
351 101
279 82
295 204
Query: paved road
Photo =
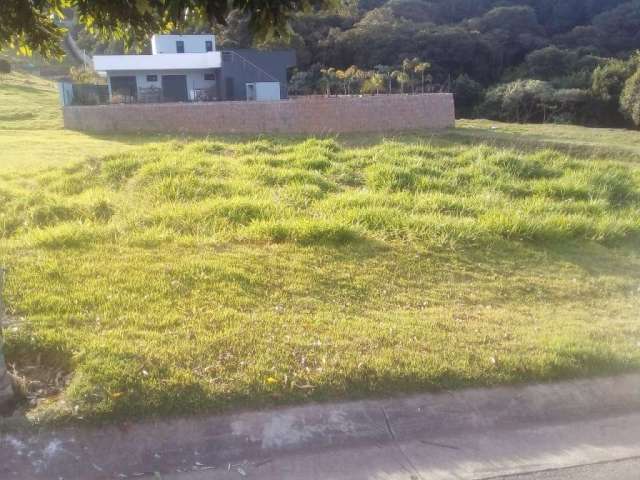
596 449
621 470
557 430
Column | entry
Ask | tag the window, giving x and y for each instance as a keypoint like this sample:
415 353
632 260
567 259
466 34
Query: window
152 78
208 46
180 46
125 87
210 76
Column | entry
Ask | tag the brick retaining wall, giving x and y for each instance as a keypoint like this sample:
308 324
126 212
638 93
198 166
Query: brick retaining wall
311 115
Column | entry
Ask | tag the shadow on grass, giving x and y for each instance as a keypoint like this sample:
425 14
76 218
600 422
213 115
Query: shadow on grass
193 397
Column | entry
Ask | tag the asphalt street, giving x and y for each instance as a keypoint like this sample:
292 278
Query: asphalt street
620 470
595 449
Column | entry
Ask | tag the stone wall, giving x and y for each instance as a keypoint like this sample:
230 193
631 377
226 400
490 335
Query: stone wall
308 115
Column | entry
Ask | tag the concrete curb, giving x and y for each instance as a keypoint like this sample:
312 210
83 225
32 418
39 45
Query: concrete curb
6 386
122 451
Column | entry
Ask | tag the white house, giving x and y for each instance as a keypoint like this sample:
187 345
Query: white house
180 68
185 68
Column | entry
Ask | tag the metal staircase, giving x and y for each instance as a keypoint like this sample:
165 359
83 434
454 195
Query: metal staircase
246 61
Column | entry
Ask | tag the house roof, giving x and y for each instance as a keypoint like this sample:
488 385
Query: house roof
165 61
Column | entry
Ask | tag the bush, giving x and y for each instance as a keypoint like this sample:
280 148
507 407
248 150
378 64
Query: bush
5 66
467 93
519 101
607 81
630 99
537 101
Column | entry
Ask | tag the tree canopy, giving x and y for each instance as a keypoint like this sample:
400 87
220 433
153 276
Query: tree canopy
517 60
38 25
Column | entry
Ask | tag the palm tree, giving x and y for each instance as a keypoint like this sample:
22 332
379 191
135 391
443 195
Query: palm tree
6 388
350 75
385 71
408 67
401 77
421 68
341 75
377 82
374 83
328 80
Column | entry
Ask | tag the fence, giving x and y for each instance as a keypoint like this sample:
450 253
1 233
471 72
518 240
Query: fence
83 94
309 115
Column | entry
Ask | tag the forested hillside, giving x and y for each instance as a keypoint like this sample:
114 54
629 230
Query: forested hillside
513 60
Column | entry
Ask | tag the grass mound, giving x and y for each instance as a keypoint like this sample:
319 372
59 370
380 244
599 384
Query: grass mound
187 276
315 191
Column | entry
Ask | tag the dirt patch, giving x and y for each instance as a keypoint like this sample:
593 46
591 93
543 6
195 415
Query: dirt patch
36 383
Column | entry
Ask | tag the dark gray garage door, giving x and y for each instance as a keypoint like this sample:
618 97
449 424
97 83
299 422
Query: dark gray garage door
174 88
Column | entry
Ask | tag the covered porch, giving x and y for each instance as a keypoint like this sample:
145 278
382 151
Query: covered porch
161 78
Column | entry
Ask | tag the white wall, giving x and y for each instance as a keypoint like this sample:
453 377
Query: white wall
167 61
195 79
192 43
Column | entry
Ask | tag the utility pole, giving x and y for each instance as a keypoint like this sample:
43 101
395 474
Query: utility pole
6 387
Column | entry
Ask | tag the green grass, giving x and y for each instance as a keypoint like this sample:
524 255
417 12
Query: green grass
206 275
580 141
31 134
153 276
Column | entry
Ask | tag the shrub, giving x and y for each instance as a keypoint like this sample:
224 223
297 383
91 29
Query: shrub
5 66
630 99
467 93
607 81
519 101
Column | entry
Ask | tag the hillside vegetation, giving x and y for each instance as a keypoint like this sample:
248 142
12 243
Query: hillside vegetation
31 134
28 101
529 61
190 276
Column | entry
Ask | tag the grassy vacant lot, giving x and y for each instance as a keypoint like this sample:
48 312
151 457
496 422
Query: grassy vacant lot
205 275
218 273
31 134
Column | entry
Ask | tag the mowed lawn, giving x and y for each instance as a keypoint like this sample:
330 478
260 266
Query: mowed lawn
214 274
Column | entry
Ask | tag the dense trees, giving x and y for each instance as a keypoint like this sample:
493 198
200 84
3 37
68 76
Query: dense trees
35 24
518 60
567 60
630 98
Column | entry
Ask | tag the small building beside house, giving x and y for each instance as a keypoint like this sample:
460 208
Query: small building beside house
188 68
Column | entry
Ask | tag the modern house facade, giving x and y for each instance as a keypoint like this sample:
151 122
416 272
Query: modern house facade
188 68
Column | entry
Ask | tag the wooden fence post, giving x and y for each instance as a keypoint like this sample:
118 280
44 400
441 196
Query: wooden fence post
6 386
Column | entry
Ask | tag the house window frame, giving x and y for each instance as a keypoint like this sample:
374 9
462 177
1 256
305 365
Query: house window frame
208 46
152 78
179 46
210 77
